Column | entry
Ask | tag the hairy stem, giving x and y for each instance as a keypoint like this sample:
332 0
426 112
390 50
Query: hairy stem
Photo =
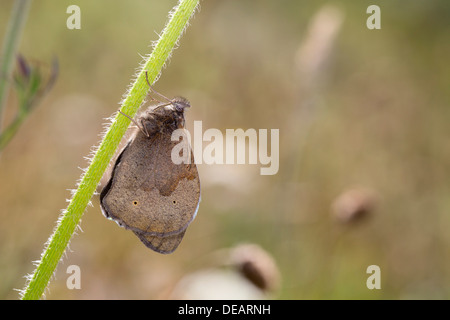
71 216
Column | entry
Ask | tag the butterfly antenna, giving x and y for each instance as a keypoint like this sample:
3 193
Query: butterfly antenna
154 91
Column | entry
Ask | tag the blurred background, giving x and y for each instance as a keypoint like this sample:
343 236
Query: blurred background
364 146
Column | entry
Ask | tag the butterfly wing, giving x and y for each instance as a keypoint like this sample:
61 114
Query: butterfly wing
151 195
162 245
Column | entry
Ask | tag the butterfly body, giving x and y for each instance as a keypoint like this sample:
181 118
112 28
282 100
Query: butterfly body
147 192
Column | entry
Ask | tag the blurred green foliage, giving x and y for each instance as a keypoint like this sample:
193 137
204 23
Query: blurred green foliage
377 117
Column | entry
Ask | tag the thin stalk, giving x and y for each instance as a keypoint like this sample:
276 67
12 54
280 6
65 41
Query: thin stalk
9 48
70 218
11 130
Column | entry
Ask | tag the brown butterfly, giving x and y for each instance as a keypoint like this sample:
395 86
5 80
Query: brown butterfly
147 192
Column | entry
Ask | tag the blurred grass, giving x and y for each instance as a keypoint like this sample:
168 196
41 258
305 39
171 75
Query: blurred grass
380 120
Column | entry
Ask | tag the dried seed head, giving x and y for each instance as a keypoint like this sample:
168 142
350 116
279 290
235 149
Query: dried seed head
354 204
257 265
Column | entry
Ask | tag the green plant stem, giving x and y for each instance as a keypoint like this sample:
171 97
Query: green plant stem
9 48
135 96
11 130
